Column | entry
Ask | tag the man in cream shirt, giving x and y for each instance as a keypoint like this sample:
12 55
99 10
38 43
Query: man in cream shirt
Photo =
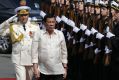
49 52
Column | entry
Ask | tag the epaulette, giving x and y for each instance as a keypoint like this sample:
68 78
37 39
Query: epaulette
13 23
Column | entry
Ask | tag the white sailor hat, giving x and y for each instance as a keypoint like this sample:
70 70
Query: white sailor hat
103 4
115 5
22 10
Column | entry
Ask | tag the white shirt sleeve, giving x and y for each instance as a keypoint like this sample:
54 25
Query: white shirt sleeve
34 49
63 50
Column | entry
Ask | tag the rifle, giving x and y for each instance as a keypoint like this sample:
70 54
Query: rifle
57 9
71 11
82 39
76 14
87 38
77 35
57 12
71 15
92 36
63 10
52 7
98 44
108 48
45 6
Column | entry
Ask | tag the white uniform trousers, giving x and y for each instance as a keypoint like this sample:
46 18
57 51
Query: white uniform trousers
23 72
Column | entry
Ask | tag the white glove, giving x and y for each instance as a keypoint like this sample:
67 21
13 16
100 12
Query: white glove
58 19
109 35
86 46
87 32
76 29
91 44
11 18
42 14
107 29
93 31
15 19
6 23
107 50
97 51
99 36
71 23
65 19
83 27
82 39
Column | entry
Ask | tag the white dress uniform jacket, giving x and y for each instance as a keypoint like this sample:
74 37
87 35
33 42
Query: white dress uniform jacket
22 41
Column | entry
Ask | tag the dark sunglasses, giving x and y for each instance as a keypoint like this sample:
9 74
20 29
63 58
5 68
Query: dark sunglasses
23 14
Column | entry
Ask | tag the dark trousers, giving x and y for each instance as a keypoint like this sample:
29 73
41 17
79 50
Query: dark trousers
51 77
115 71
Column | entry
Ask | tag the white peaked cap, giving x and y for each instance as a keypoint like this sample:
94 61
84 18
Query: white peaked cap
101 2
90 1
97 1
22 7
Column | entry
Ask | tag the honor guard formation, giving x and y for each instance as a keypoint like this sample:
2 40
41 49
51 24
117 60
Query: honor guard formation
91 32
